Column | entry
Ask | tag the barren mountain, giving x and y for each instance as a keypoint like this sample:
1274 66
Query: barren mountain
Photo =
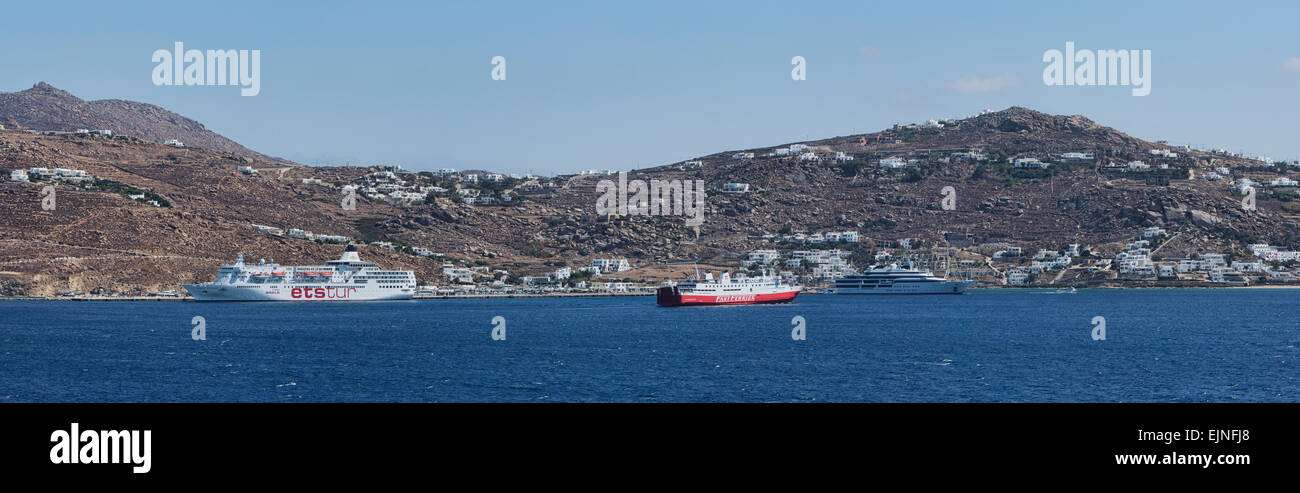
99 238
45 107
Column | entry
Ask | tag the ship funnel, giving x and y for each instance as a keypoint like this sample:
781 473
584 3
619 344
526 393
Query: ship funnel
350 254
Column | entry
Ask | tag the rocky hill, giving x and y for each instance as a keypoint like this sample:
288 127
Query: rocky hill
47 108
99 238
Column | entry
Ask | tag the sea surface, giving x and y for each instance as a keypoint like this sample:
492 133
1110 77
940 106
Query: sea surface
1161 345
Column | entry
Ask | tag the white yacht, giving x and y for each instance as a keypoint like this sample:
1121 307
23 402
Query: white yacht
897 280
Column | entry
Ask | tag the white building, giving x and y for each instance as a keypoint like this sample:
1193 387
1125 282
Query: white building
611 265
1248 266
70 174
972 155
1213 260
1188 265
331 239
173 143
1044 254
893 162
1017 277
761 257
18 175
1029 162
268 229
1076 157
1168 270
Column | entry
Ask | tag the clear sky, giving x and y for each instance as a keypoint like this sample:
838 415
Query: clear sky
621 85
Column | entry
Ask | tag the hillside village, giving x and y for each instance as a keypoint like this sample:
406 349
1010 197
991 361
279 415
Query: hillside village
1038 200
816 258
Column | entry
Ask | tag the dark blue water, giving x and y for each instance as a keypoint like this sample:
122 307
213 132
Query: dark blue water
988 345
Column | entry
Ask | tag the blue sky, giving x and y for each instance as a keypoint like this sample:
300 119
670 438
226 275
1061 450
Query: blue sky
624 85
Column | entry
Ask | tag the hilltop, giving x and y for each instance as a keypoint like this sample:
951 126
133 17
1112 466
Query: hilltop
46 108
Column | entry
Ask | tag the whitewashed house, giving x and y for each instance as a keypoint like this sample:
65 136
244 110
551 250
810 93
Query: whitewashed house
893 162
1029 162
611 265
1076 157
1017 277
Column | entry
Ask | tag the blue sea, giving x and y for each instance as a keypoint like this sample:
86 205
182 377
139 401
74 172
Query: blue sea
1195 345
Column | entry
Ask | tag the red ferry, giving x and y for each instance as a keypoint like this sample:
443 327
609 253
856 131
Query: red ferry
728 291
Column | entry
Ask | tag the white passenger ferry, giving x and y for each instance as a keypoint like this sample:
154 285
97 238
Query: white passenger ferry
897 280
345 279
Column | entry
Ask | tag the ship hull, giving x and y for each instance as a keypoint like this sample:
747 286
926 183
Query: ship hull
666 297
907 287
220 292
